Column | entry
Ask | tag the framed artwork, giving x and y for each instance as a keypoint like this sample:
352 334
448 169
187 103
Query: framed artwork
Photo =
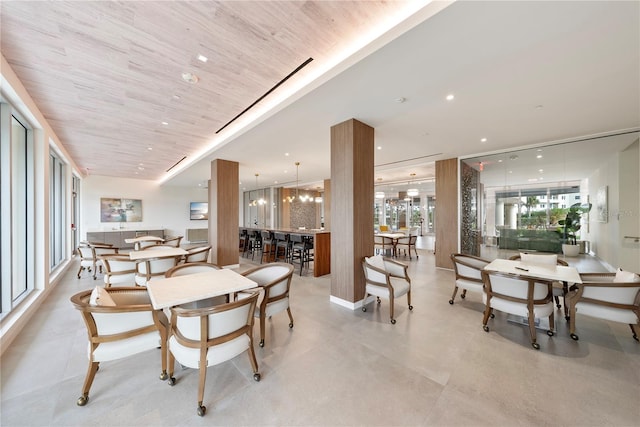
120 210
602 209
198 210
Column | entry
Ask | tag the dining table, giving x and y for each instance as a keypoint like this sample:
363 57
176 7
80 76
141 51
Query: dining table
156 253
177 290
144 239
560 273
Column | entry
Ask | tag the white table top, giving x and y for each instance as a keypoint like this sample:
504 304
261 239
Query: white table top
155 253
144 239
178 290
392 235
543 271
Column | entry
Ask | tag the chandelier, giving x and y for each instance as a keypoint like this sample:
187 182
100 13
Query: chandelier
302 198
261 200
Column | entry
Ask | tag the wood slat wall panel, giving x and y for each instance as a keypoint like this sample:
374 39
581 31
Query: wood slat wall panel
446 211
224 202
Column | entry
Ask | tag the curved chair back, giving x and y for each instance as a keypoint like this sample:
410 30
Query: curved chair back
119 270
128 326
174 241
148 268
199 254
207 336
519 295
605 296
190 268
275 280
386 278
468 270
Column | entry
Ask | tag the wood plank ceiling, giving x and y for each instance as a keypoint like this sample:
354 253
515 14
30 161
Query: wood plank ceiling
106 75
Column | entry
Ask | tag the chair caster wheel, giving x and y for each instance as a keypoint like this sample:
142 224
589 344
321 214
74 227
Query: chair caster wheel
257 376
485 328
291 325
550 333
463 296
410 307
567 318
535 345
82 400
393 321
172 381
635 337
451 301
202 410
261 343
364 308
164 376
492 316
574 337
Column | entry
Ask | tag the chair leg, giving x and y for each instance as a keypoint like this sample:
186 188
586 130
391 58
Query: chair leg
391 304
262 327
453 297
633 331
80 271
203 377
485 318
91 373
532 329
290 317
254 362
409 300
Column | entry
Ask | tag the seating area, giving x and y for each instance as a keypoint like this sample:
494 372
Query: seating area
266 246
441 344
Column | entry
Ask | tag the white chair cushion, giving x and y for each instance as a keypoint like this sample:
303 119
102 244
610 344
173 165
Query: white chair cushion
469 285
400 287
474 273
376 261
120 278
607 313
539 258
274 307
626 277
99 296
519 309
190 357
126 347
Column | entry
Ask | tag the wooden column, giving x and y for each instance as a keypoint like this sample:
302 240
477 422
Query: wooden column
351 199
327 204
446 211
224 202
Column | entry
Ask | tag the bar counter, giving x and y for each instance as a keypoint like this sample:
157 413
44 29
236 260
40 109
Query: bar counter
321 246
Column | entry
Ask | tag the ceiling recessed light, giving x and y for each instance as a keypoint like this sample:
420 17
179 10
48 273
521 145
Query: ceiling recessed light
539 156
379 147
400 100
165 123
539 107
286 154
150 148
190 78
540 170
140 168
202 58
450 97
500 161
176 96
483 139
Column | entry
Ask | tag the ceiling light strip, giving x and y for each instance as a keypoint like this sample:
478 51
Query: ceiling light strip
176 163
408 160
300 67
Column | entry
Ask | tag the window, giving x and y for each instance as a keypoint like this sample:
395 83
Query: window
17 213
57 184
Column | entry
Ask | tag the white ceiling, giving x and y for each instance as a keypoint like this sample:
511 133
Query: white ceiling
523 74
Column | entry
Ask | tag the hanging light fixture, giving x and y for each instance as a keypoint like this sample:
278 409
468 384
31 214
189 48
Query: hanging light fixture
304 197
256 201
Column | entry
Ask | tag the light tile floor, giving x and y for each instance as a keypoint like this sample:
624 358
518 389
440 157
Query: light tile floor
339 367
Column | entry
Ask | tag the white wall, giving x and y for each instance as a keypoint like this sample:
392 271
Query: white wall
622 185
165 207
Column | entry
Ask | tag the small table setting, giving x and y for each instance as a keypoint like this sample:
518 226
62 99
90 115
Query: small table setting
172 291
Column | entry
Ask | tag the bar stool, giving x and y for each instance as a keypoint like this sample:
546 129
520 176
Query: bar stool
283 246
244 241
301 250
268 245
255 243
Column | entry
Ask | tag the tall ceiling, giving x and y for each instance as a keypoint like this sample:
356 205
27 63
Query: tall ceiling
106 75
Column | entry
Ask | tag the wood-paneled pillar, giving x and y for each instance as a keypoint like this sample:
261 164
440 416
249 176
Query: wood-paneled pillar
351 199
224 202
446 211
327 204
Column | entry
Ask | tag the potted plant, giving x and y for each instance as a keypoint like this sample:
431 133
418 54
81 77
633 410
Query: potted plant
569 226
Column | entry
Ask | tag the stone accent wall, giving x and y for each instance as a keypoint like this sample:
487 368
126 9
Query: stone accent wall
303 214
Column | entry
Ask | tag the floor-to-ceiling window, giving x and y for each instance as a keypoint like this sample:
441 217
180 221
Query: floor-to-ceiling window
17 212
57 202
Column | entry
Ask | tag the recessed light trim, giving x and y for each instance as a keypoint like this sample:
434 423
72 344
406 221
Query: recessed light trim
202 58
450 97
483 139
